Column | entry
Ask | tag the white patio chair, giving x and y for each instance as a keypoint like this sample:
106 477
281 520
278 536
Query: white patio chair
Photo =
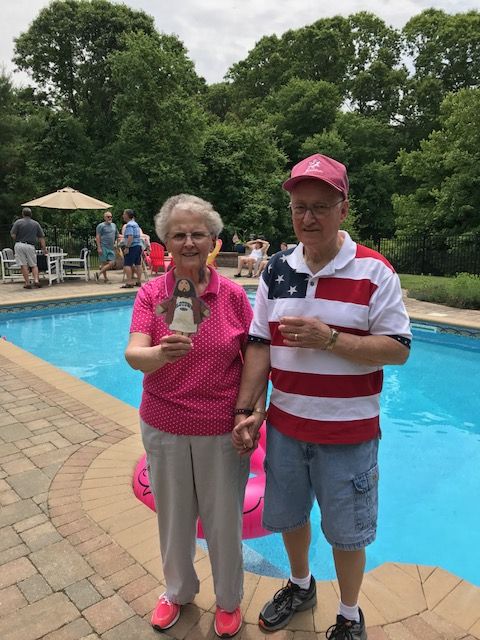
10 269
77 267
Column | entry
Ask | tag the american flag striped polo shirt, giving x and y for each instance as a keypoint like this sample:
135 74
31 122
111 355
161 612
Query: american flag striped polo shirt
318 396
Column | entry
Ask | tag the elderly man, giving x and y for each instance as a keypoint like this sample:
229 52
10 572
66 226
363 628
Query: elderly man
106 236
26 232
328 316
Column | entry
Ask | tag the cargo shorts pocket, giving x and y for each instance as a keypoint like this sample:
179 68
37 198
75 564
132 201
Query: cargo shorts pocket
365 487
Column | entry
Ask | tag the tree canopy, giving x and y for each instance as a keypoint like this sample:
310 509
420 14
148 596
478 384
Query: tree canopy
117 109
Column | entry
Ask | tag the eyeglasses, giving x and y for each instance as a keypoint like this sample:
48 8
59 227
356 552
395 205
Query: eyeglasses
317 210
108 217
195 236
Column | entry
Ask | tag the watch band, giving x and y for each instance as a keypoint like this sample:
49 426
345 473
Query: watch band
332 340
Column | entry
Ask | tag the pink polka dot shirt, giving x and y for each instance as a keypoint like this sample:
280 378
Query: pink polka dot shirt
197 394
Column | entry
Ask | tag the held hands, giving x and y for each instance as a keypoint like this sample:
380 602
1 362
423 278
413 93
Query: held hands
309 333
246 433
173 347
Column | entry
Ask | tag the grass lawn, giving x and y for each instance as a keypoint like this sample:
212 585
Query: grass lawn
462 291
411 282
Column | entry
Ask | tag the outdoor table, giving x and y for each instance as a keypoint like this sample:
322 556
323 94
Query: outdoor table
54 269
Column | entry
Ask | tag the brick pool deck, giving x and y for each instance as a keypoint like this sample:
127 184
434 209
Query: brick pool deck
79 554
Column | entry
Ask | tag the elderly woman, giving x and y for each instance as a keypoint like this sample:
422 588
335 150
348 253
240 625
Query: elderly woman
187 415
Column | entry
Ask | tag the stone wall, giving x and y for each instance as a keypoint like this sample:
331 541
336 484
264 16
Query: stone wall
227 259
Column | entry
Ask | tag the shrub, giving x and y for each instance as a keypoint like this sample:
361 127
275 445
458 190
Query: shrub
462 291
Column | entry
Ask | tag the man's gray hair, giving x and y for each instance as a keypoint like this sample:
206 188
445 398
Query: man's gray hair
187 202
26 211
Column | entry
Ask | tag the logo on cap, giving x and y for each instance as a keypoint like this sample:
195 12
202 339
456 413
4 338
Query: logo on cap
314 166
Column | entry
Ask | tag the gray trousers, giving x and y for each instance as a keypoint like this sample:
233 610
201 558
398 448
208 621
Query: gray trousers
192 476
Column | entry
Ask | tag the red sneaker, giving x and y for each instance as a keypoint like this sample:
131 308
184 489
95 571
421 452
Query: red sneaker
227 623
165 614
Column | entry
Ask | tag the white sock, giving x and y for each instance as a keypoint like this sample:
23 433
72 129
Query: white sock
303 583
350 613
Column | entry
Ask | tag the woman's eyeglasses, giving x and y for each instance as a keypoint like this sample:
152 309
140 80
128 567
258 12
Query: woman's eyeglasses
195 236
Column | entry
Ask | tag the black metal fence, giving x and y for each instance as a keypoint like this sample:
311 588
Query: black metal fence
431 255
424 254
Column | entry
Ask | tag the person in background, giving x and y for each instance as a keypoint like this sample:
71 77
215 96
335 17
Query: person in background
132 252
106 236
187 413
258 252
25 232
328 316
145 238
238 244
265 261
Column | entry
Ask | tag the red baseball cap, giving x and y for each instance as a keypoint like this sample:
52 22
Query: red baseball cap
319 167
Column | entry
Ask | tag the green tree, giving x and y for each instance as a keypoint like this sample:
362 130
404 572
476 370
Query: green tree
261 71
445 50
446 47
218 99
445 171
376 76
321 51
160 121
61 154
19 125
243 173
300 109
66 51
368 147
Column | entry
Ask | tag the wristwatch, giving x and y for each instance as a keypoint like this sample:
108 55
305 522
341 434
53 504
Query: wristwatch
332 340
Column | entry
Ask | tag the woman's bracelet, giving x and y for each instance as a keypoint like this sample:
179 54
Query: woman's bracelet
249 412
239 412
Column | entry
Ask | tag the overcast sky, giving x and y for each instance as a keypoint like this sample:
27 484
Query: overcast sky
218 33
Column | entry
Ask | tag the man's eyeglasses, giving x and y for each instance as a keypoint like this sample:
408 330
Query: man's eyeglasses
317 210
195 236
108 217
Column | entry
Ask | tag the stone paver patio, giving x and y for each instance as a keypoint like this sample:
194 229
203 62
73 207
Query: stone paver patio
79 554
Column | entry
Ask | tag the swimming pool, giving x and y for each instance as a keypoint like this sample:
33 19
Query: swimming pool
429 455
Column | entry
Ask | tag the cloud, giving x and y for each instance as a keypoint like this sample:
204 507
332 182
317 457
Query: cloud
218 33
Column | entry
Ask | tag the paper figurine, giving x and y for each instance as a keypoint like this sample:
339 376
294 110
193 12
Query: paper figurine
184 311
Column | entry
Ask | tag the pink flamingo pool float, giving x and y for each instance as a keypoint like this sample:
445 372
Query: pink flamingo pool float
252 506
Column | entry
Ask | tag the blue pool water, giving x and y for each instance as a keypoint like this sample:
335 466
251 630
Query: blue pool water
429 454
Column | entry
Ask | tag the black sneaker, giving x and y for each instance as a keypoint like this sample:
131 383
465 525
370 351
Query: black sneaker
347 629
291 598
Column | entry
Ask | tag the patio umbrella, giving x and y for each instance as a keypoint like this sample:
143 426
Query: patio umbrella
67 198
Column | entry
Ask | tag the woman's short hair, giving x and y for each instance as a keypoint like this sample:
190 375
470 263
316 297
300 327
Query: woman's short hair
187 202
